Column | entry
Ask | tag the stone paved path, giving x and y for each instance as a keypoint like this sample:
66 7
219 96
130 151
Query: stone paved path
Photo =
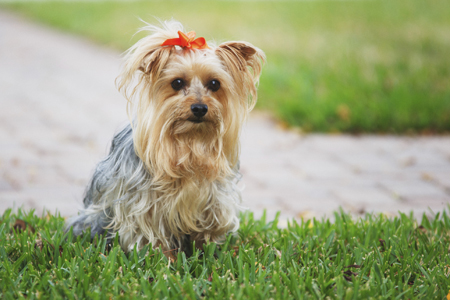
59 109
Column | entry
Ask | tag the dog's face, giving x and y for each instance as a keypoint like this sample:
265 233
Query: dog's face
191 105
192 95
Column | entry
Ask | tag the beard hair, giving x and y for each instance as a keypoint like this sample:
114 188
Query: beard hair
174 148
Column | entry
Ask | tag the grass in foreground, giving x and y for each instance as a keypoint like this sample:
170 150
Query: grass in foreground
361 66
373 257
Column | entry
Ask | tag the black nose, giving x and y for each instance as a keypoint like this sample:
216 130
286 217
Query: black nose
199 110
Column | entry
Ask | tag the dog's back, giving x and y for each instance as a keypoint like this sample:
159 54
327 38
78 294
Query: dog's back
107 185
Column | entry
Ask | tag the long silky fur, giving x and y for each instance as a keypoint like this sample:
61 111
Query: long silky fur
166 178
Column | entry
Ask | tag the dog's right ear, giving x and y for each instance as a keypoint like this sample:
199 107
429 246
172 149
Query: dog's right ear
154 61
144 61
150 60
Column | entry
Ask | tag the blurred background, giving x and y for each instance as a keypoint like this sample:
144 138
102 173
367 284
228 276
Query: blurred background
334 68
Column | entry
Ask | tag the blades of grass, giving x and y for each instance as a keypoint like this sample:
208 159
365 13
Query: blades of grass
329 240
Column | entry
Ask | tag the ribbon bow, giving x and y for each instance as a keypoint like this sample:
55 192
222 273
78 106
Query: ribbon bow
187 41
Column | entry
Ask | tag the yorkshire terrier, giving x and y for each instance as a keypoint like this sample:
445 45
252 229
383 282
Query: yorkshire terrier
171 175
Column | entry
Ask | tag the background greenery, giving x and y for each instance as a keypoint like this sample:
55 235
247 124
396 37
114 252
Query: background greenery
370 258
354 66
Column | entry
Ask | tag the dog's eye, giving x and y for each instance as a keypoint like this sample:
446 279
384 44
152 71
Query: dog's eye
177 84
214 85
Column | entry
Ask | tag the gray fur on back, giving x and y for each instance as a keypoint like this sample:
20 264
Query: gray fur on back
115 170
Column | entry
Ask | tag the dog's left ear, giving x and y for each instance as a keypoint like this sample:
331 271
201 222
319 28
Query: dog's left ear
244 61
238 56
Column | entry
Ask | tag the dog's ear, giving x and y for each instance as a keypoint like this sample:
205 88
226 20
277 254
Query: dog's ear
144 61
244 62
154 61
238 56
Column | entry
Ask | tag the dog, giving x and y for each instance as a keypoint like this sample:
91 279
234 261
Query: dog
171 175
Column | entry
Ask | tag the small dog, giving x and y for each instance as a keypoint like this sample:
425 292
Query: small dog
171 175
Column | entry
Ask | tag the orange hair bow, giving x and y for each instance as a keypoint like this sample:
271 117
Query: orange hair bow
187 41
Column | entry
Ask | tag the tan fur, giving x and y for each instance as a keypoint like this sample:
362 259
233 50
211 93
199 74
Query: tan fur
193 167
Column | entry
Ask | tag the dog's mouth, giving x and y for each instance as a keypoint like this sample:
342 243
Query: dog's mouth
196 120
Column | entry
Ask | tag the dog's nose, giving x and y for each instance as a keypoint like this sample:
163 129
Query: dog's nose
199 110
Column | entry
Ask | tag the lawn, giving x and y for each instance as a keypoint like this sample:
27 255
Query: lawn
372 257
333 66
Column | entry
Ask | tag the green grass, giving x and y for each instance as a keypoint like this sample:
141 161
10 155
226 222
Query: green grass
351 66
369 258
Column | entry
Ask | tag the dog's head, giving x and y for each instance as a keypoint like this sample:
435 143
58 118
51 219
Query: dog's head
188 104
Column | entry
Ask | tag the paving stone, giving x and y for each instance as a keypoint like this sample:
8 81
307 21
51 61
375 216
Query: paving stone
412 189
441 177
5 185
436 203
369 162
65 199
315 206
333 144
363 196
386 144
